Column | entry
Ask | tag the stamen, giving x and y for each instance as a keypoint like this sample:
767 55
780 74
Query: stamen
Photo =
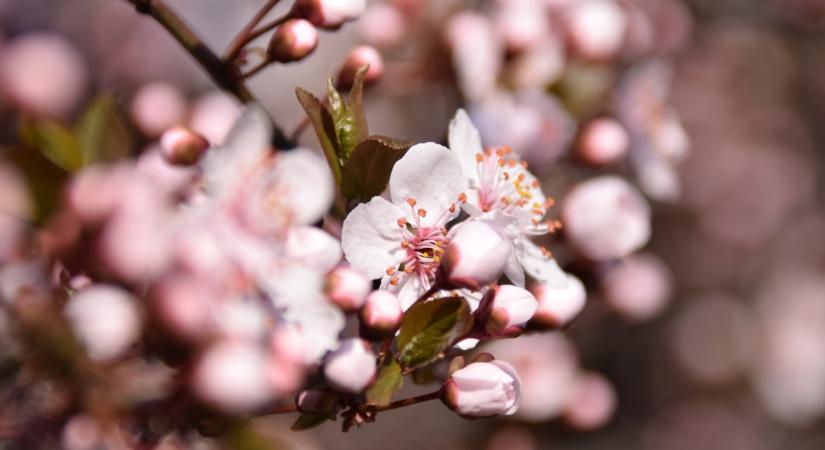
535 184
462 197
501 162
390 270
402 222
394 281
411 201
452 208
479 157
422 212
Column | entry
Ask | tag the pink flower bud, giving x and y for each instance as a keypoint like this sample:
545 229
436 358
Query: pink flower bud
558 305
330 14
381 315
182 147
483 389
477 255
592 402
106 320
357 58
596 28
351 367
382 25
606 218
603 141
347 288
232 376
508 307
639 287
293 41
157 107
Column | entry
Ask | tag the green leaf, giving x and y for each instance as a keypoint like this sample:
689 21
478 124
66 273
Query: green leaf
343 120
389 381
355 105
307 421
367 170
103 132
431 327
55 142
319 115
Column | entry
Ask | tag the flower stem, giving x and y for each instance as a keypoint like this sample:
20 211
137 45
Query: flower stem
243 37
411 401
254 71
225 75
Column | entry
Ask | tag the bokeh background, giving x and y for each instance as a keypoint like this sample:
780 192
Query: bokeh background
734 360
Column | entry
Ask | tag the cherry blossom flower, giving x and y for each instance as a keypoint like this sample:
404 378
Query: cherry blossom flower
502 190
401 240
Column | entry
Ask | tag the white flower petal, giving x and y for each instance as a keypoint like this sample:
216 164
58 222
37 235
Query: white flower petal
313 247
246 146
308 184
514 271
430 174
465 142
408 289
371 238
539 266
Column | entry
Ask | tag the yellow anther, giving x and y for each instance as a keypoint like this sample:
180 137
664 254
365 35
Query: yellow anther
501 162
394 281
462 197
411 201
422 212
479 157
402 222
390 270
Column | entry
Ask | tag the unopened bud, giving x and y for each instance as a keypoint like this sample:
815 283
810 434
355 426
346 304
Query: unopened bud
603 141
293 41
558 304
106 319
505 308
483 389
596 28
232 376
182 147
592 402
347 288
477 255
357 58
381 315
330 14
351 368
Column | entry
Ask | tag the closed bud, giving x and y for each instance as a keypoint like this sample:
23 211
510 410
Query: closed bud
180 146
347 288
483 389
330 14
596 28
293 41
381 315
477 255
356 59
505 308
232 377
106 320
558 305
603 141
351 367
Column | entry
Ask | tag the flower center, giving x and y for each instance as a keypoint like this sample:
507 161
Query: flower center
504 185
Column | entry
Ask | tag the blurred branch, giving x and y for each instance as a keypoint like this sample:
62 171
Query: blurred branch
243 37
224 74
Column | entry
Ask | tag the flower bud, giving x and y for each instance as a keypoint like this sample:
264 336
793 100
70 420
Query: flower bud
157 107
357 58
351 367
106 320
347 288
592 402
483 389
477 255
330 14
506 307
180 146
314 401
606 218
232 376
596 28
558 305
293 41
639 287
603 141
381 315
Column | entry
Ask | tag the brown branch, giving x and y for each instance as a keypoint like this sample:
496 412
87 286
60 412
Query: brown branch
225 75
243 37
410 401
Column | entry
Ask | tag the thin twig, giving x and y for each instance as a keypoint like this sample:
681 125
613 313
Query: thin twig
410 401
254 71
270 26
243 38
225 75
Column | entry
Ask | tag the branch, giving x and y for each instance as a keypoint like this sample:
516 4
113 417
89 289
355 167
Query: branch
224 75
243 37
